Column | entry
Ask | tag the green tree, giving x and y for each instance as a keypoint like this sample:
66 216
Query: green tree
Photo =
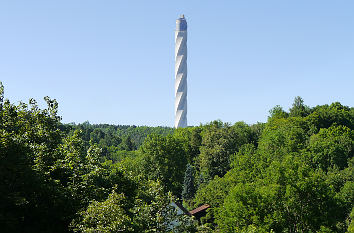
298 108
282 136
188 183
31 201
219 142
277 112
351 223
164 158
128 144
325 116
298 179
47 177
151 211
97 135
106 216
290 198
332 147
192 140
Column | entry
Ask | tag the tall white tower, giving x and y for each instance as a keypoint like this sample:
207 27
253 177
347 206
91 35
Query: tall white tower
181 73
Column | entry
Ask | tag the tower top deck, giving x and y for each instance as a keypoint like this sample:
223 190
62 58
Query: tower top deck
181 24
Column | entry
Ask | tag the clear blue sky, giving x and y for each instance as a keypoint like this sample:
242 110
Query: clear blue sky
112 61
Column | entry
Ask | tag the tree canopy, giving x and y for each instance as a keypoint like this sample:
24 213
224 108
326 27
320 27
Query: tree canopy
293 173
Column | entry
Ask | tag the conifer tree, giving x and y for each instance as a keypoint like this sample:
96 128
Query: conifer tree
188 184
128 144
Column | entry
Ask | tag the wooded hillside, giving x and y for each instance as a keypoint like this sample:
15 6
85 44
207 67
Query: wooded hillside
293 173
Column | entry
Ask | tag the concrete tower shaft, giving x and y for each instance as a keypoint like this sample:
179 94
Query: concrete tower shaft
181 73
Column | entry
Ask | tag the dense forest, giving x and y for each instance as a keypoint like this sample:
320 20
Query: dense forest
115 141
293 173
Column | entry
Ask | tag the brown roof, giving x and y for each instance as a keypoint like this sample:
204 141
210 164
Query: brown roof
200 208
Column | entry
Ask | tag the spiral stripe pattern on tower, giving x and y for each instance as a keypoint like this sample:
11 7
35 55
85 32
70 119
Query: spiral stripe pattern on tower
180 77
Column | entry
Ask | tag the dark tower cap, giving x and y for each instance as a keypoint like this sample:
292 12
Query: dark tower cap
181 24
